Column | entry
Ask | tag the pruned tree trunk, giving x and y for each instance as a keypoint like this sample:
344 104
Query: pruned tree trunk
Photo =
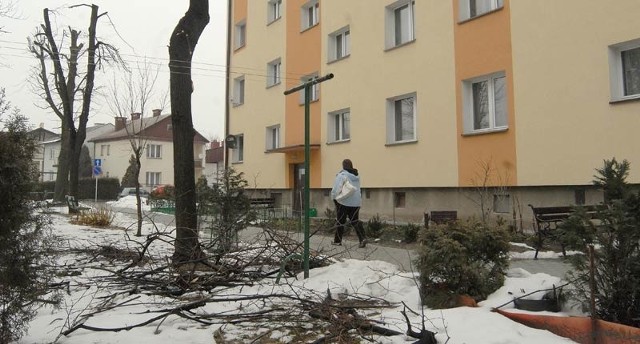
181 47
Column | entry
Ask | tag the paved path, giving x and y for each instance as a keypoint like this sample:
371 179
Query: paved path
401 257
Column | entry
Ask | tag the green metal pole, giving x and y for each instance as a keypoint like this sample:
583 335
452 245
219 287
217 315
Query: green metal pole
307 173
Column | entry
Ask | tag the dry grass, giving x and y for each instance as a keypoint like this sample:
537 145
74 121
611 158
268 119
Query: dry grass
101 217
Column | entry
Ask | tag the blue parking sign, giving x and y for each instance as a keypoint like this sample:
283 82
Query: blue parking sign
97 162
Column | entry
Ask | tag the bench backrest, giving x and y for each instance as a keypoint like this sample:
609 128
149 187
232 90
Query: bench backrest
440 217
72 202
265 201
561 213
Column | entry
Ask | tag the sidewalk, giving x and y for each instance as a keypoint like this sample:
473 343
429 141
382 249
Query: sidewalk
403 258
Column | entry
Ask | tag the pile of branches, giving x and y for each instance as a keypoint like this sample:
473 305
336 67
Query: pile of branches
136 270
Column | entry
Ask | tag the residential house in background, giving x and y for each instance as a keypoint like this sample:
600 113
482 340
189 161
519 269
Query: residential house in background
51 149
155 134
43 137
467 105
214 162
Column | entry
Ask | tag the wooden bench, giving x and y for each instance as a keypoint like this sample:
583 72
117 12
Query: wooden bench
74 207
440 217
547 220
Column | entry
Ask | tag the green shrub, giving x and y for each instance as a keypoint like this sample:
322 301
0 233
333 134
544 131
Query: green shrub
101 217
461 258
616 234
374 227
410 233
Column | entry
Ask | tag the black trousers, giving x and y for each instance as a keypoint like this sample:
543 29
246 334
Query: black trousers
344 213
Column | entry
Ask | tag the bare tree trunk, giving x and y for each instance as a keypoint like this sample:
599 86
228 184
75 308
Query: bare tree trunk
181 47
137 152
62 176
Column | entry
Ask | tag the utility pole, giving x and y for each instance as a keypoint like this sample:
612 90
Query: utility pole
307 157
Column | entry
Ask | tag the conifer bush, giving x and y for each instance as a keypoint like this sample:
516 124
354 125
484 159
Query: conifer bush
615 234
461 258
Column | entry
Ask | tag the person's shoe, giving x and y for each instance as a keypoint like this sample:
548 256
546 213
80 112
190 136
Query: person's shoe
363 244
336 243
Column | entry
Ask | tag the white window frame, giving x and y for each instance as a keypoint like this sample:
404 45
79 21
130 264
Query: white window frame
467 8
240 36
309 15
154 151
238 152
239 88
393 136
272 137
392 39
339 129
315 89
493 123
274 11
274 72
153 178
339 44
616 70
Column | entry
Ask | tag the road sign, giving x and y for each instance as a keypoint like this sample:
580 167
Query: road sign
97 162
97 170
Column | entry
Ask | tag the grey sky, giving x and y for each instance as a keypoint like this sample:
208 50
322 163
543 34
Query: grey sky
141 28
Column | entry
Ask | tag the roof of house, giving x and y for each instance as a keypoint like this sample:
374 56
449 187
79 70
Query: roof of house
143 126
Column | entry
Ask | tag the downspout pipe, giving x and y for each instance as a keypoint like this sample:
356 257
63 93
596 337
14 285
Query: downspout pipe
227 81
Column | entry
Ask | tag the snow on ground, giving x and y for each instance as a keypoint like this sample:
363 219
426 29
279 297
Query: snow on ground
351 277
129 202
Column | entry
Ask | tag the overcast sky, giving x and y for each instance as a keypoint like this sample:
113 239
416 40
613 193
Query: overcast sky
139 28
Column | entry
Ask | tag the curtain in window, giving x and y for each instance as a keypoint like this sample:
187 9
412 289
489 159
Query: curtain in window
500 99
403 24
346 125
631 71
404 119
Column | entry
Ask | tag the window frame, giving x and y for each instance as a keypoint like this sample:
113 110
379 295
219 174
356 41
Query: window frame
617 73
465 9
238 152
469 104
153 177
274 72
501 203
336 129
239 90
240 34
274 11
309 15
345 44
392 108
272 137
154 151
391 24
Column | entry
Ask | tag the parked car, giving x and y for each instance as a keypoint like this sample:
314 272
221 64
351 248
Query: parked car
132 192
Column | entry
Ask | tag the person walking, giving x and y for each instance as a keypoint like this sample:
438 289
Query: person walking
347 197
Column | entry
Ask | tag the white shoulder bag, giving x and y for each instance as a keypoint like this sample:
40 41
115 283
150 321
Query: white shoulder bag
346 190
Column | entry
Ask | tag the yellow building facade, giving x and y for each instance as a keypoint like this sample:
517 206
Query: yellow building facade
441 105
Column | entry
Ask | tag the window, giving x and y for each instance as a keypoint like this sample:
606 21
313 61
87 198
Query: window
400 25
274 10
339 126
241 34
340 44
315 89
154 151
400 199
153 178
502 203
485 107
273 137
473 8
105 150
401 119
238 152
310 14
624 66
579 196
238 91
274 69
